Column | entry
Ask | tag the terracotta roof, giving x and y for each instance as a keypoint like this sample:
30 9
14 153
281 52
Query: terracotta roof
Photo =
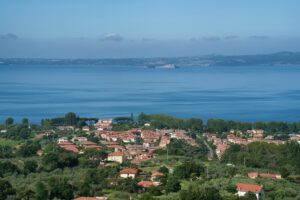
146 184
110 143
92 147
72 148
245 187
253 175
266 175
88 143
128 171
118 153
157 174
65 143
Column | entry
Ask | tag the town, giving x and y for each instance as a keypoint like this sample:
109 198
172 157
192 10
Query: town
151 157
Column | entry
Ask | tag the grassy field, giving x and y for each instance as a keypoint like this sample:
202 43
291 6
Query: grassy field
5 142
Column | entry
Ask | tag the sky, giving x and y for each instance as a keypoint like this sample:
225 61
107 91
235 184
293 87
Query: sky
146 28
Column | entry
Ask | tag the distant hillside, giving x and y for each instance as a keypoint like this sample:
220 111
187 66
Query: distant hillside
281 58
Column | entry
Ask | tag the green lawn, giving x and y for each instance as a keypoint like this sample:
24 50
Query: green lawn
5 142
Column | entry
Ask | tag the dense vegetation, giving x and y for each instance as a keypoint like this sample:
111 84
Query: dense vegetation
25 173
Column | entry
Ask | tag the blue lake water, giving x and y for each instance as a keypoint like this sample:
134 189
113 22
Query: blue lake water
239 93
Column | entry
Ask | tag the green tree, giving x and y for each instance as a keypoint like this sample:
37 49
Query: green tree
198 192
59 188
30 166
5 189
70 119
25 121
9 121
173 184
29 148
41 191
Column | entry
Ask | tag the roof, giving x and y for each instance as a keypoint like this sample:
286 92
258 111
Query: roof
72 148
267 175
128 171
146 184
118 153
245 187
157 174
88 143
65 143
253 174
92 147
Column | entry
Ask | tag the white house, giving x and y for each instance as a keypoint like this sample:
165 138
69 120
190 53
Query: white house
244 188
116 157
128 173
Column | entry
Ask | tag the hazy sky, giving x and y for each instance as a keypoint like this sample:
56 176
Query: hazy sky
147 28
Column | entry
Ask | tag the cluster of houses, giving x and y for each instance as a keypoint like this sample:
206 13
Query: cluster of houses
77 144
233 138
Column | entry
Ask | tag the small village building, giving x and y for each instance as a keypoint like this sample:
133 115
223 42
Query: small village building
253 175
79 139
86 129
71 148
116 157
128 173
148 184
244 188
62 140
65 128
156 175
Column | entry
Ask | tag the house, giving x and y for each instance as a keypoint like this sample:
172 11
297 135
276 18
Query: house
148 184
156 175
253 175
256 133
70 147
92 147
128 173
116 157
104 124
62 139
270 176
3 131
65 128
86 129
79 139
244 188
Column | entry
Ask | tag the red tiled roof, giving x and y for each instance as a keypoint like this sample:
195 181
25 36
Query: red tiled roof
253 175
65 143
88 143
118 153
245 187
92 147
128 171
72 148
266 175
157 174
146 184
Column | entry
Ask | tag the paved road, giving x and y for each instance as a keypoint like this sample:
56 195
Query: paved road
210 154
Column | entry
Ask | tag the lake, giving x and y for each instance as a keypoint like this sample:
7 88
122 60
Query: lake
240 93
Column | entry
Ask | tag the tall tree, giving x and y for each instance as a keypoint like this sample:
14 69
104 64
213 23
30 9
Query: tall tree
5 189
9 121
70 119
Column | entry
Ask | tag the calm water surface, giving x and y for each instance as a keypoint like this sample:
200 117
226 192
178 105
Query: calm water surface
240 93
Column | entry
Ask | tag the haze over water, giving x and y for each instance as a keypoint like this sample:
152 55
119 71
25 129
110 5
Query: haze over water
240 93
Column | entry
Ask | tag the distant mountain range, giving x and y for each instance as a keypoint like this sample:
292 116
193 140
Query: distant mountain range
275 59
